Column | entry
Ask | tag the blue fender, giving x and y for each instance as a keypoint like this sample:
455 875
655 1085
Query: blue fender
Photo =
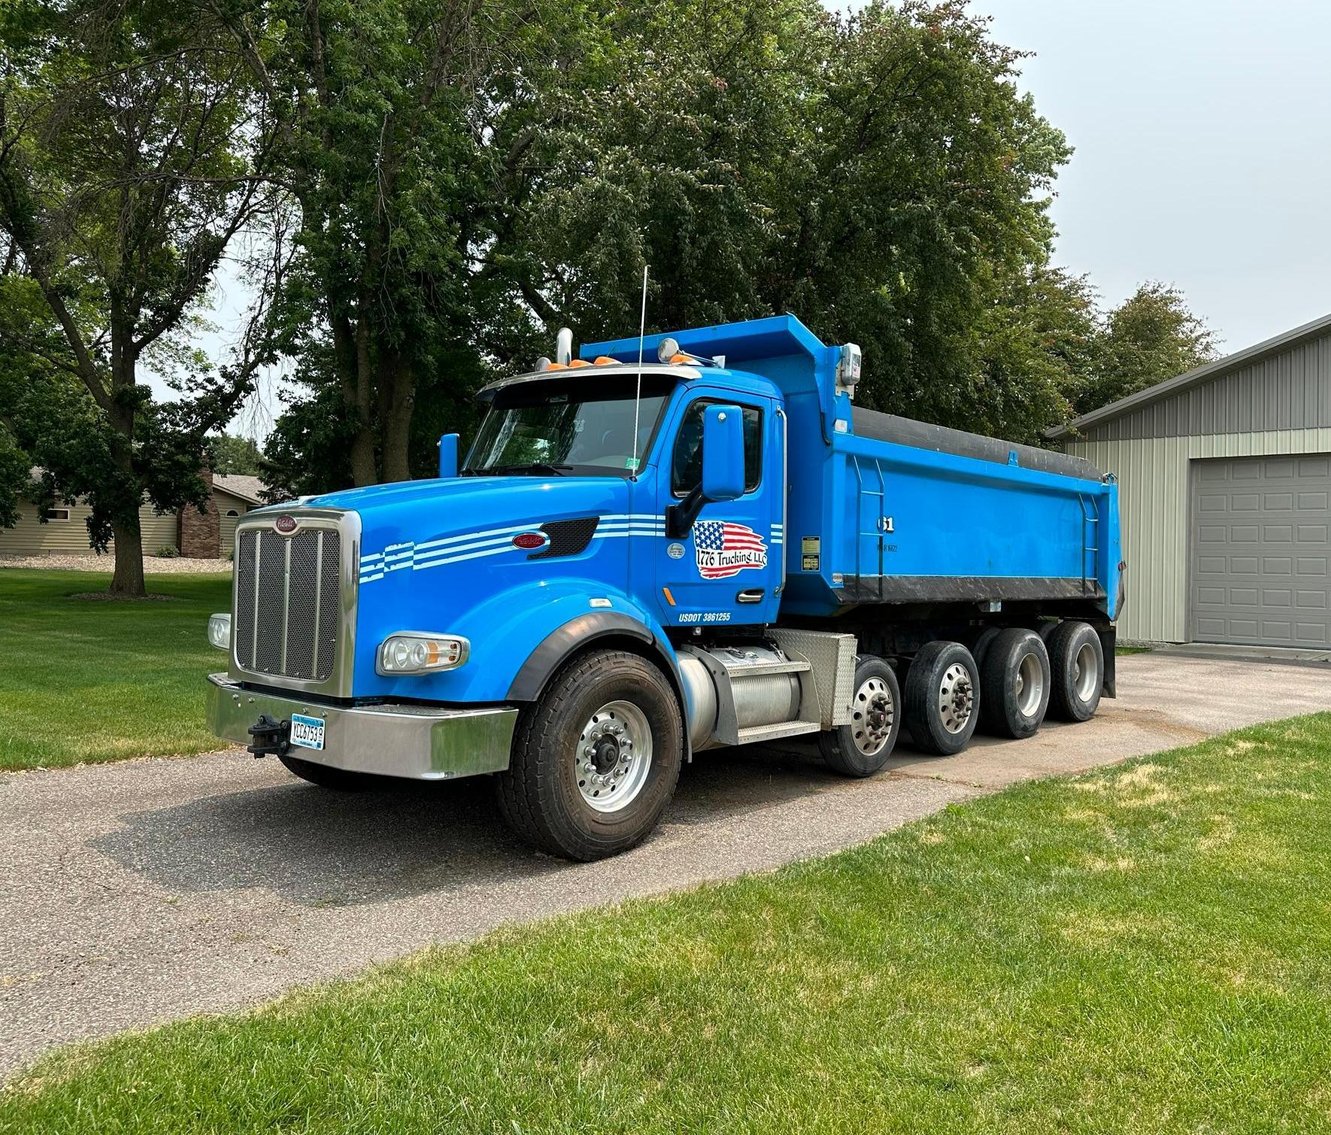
522 635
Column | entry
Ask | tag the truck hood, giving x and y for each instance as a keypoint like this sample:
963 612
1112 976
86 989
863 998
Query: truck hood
412 524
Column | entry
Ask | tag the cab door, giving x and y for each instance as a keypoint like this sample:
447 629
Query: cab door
727 568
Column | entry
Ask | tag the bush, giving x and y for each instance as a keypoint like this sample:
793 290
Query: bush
167 552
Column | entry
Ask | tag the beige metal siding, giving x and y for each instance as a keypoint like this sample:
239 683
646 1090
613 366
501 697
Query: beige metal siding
158 531
69 537
1153 476
29 537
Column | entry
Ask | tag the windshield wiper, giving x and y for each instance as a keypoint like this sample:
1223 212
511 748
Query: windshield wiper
530 467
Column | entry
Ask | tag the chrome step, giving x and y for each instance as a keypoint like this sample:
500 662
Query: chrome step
773 732
763 669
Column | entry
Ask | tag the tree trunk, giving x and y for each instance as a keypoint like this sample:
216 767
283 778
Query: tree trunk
363 469
128 578
398 387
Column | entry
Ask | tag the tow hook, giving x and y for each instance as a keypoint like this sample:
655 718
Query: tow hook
269 737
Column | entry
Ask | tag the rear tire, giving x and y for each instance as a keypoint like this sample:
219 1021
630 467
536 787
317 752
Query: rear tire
861 748
942 698
325 776
595 760
1015 679
1078 663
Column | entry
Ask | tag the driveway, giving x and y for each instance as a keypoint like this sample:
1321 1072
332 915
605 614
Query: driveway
155 889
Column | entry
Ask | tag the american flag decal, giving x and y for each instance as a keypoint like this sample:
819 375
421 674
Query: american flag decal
725 549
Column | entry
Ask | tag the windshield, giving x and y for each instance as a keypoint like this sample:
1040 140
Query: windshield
582 426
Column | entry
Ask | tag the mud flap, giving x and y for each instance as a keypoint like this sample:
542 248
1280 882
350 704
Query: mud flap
1108 642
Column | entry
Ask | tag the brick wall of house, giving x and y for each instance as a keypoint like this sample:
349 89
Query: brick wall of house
200 533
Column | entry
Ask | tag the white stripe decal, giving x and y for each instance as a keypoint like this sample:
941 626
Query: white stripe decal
491 542
426 557
511 530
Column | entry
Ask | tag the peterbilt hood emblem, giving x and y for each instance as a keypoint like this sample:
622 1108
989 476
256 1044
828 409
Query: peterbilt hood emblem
285 525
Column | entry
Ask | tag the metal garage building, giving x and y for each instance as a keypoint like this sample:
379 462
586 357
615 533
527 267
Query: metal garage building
1225 476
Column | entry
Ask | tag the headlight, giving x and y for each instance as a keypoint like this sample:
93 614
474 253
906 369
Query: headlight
417 652
219 631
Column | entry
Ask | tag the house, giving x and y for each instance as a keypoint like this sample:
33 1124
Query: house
1225 476
232 497
187 532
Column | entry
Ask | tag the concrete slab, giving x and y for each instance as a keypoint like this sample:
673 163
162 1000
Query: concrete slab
155 889
1299 657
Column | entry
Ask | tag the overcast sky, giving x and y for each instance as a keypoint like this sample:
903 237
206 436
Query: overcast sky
1202 131
1203 148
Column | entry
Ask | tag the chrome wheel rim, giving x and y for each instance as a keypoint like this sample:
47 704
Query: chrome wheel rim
1030 685
956 698
614 756
1086 676
873 716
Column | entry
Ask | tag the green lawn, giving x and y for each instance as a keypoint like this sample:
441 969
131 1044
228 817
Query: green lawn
95 680
1145 948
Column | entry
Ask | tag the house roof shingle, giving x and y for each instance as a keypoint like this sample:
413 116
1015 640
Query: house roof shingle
248 489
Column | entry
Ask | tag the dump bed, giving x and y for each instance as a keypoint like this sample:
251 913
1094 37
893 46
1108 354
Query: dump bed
899 511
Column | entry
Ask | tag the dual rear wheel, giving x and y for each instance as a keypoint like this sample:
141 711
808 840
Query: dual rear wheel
1017 679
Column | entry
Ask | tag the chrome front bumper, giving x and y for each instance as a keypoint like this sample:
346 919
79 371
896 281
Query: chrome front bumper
420 742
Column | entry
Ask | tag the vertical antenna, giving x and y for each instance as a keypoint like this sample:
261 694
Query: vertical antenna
637 398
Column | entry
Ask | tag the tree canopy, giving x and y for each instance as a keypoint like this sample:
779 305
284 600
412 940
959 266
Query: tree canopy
454 181
1148 338
128 154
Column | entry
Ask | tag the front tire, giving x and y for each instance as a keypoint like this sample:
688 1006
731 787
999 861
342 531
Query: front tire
1014 681
595 760
861 748
942 698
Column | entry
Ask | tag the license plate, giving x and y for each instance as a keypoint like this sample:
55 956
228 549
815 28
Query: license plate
307 732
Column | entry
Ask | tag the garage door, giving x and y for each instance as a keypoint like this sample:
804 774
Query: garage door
1261 546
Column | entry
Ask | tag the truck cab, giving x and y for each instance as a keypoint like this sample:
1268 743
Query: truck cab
663 546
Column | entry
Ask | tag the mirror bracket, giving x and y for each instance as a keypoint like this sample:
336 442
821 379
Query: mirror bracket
680 517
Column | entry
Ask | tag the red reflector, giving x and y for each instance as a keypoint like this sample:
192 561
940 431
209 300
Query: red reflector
530 540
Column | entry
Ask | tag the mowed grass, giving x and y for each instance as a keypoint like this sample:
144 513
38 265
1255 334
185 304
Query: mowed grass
96 680
1145 948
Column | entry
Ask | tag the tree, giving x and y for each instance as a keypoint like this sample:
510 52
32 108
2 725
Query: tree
128 144
879 175
1153 335
228 455
1031 347
380 105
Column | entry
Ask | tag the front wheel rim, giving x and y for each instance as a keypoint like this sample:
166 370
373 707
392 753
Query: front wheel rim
956 698
874 715
614 756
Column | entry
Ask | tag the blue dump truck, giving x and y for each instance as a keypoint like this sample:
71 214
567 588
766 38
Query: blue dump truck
660 547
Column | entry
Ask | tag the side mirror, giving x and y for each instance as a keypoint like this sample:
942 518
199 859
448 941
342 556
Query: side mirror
722 453
448 456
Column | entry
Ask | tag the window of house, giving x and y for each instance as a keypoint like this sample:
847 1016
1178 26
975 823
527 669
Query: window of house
232 512
56 514
686 463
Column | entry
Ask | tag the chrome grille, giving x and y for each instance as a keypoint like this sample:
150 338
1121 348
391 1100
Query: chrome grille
287 602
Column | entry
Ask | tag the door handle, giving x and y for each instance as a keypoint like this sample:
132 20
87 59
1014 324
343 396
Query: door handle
753 595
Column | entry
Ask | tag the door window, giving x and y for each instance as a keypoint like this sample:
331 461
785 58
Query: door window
686 461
